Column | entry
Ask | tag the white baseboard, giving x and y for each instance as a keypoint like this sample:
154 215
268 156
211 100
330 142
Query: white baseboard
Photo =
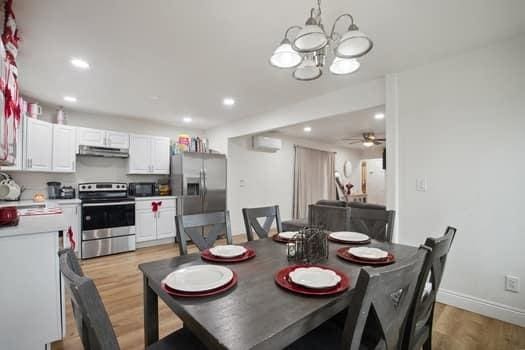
484 307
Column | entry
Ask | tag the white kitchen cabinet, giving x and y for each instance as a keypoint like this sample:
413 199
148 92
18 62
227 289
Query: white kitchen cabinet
117 140
72 218
146 225
166 223
139 154
160 155
149 155
91 137
102 138
64 143
38 137
155 225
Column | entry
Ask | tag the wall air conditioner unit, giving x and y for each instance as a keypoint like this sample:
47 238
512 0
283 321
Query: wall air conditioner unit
266 144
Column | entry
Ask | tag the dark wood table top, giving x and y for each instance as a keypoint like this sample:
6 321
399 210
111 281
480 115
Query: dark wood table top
256 313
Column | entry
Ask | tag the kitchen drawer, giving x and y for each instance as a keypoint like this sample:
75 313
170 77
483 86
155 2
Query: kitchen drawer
145 203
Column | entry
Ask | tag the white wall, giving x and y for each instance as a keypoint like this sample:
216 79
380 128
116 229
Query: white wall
355 97
92 169
462 127
267 178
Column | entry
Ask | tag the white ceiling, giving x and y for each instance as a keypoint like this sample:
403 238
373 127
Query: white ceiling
191 54
332 130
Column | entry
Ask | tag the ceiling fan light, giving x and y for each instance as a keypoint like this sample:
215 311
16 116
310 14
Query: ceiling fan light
368 143
285 56
310 38
353 43
307 70
342 66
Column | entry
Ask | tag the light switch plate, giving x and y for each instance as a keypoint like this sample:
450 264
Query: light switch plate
421 184
512 284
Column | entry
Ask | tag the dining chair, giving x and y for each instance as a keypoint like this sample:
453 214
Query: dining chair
419 324
252 225
218 223
92 321
377 312
376 223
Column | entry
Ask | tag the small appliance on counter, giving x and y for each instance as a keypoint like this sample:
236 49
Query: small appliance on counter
53 189
67 192
8 216
9 189
142 189
163 187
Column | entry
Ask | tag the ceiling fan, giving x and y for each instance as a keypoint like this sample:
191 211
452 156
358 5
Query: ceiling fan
368 139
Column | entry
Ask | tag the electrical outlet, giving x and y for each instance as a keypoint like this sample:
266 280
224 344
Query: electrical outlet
512 284
421 184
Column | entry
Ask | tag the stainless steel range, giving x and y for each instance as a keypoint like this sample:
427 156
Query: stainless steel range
108 219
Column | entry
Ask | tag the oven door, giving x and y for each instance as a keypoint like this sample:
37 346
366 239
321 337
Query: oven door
109 219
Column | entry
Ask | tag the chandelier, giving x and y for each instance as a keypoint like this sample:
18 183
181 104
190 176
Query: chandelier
308 49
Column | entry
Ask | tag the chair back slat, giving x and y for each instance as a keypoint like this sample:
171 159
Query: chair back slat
218 223
252 225
422 309
380 304
91 318
329 217
377 223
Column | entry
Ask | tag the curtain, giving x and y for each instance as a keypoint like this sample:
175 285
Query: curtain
313 178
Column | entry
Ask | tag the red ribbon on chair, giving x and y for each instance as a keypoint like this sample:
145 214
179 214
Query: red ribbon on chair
72 242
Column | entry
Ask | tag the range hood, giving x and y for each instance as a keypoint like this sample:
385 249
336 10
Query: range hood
102 152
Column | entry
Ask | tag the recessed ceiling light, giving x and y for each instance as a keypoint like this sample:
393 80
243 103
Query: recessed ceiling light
70 99
187 119
379 116
228 101
154 98
307 129
79 63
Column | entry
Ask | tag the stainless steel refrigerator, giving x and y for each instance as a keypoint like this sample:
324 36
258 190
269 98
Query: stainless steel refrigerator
199 180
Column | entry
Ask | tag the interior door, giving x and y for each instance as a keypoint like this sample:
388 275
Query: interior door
140 154
375 181
214 179
160 155
39 139
64 141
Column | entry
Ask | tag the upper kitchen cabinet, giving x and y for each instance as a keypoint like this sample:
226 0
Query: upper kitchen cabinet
38 145
102 138
64 143
149 155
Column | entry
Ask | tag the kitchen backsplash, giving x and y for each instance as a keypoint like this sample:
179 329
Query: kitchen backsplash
89 169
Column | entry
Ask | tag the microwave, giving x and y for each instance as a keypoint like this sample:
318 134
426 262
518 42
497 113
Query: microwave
142 189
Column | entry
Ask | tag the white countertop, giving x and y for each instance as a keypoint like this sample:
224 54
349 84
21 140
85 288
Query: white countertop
34 224
47 203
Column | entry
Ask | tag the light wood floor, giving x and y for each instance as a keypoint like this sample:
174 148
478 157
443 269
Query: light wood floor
120 284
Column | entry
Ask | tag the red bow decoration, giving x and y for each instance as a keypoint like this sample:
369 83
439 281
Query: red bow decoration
72 242
155 206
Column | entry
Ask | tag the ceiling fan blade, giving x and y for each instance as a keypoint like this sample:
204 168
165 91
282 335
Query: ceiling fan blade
355 142
382 140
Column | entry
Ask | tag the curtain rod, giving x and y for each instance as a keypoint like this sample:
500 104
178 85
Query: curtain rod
313 149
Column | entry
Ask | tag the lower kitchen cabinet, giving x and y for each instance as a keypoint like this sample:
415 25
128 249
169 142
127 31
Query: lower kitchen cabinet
155 218
72 218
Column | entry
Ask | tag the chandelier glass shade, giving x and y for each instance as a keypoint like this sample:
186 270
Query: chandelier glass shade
307 49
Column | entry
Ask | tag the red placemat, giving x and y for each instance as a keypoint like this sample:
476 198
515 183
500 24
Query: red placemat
207 293
207 255
347 242
279 239
345 255
282 279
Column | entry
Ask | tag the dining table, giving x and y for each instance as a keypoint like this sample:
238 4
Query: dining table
256 313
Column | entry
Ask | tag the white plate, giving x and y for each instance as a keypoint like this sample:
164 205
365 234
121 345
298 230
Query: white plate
368 253
288 234
198 278
228 251
314 277
350 237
